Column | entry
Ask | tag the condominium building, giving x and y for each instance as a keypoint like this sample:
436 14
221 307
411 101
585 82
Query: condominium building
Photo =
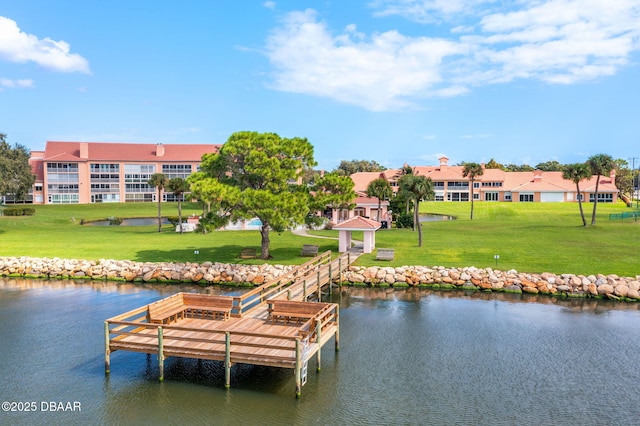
96 172
497 185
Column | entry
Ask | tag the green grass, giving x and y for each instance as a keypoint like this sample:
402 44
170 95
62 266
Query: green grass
52 232
529 237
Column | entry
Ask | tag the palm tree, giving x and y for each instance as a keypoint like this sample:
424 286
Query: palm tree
159 181
405 170
381 189
420 188
575 173
472 171
600 164
178 187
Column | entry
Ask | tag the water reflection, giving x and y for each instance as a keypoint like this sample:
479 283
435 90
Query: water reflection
408 356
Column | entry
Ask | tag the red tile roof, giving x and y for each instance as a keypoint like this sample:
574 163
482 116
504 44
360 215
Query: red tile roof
512 181
358 223
134 152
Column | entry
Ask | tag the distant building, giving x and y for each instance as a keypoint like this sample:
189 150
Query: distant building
96 172
498 185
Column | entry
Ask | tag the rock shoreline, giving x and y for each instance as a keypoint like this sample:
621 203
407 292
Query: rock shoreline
468 278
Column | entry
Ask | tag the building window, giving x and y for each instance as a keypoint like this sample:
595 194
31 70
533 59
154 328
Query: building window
458 196
62 172
38 187
602 198
438 185
439 198
507 196
63 198
491 184
457 185
138 197
476 196
176 170
526 198
476 184
105 198
104 168
491 196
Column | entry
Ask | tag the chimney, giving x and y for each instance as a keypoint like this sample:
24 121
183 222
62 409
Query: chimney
612 175
537 175
84 150
159 150
444 161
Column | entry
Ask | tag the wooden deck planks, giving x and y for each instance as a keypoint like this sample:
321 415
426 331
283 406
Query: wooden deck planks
254 338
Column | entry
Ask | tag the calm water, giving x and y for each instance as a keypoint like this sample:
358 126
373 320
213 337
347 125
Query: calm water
432 217
407 357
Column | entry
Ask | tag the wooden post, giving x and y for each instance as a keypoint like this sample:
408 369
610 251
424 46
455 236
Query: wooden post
298 369
337 328
107 351
319 342
330 278
227 360
340 272
319 286
289 294
304 290
161 353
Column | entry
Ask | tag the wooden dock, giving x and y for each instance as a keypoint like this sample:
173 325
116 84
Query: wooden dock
272 325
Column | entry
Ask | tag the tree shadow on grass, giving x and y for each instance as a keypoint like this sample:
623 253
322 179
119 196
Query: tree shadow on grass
229 254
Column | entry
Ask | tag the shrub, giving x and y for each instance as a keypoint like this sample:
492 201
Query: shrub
19 211
405 220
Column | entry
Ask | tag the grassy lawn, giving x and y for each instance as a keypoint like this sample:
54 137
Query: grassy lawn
55 231
529 237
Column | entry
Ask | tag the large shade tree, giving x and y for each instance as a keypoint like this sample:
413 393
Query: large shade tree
158 181
576 173
256 175
600 164
347 168
419 188
472 171
379 188
178 187
333 191
16 176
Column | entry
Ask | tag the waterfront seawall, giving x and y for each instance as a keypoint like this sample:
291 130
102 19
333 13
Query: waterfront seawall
469 278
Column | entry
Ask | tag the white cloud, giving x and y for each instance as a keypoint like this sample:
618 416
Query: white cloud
426 11
17 46
490 42
24 83
379 72
269 4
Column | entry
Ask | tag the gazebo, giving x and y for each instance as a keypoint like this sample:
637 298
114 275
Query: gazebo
358 223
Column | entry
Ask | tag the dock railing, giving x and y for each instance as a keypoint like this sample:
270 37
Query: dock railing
259 295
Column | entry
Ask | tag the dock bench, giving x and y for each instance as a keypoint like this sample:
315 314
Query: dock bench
248 253
190 305
309 250
205 306
293 311
385 254
166 310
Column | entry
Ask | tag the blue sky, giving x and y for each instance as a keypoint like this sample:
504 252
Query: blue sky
395 81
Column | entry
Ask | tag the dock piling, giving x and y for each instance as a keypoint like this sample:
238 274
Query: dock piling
161 353
107 351
227 360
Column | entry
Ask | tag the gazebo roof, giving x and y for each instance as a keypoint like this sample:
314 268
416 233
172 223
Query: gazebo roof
358 223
